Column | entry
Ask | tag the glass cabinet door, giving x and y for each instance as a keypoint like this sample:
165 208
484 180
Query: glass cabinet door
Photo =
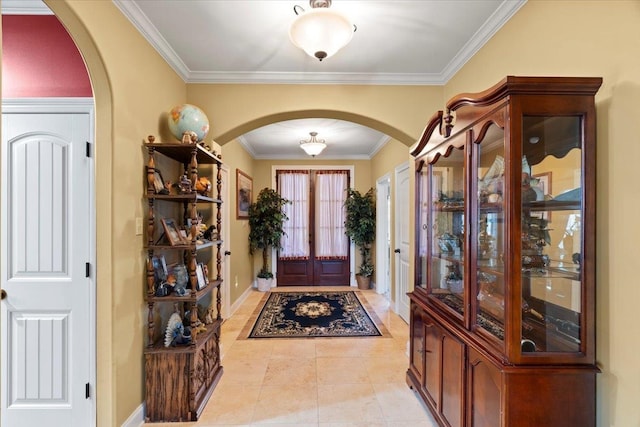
551 234
422 228
490 229
447 224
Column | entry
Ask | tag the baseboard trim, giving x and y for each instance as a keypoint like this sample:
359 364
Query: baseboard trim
136 419
240 300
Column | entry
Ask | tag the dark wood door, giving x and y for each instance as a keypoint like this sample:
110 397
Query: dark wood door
313 270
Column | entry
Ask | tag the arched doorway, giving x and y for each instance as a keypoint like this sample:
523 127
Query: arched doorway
101 367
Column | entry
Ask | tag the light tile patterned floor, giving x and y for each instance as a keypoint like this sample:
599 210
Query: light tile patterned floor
331 382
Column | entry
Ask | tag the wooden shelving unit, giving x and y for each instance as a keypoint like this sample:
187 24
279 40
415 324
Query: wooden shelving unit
180 379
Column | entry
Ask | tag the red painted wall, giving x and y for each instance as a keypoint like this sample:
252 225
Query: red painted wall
39 59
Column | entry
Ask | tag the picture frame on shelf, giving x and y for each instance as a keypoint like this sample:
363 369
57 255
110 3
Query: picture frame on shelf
544 184
158 183
244 194
172 232
205 271
202 283
159 268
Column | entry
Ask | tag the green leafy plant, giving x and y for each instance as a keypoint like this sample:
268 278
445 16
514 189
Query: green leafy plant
360 225
266 219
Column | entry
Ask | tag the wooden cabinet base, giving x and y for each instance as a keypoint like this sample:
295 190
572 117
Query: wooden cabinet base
179 381
463 387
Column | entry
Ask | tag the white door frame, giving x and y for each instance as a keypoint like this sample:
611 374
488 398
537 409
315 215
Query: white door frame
383 237
400 210
226 236
80 106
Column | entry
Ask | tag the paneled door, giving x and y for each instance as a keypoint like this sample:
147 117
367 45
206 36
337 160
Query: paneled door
47 332
316 253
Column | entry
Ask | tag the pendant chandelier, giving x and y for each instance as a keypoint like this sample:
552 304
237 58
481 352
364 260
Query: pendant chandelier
313 146
321 31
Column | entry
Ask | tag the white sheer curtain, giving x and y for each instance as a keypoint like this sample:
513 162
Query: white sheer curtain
294 186
331 242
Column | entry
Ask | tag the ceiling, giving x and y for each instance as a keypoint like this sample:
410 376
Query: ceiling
415 42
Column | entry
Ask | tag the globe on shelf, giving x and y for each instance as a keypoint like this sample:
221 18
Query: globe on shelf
188 118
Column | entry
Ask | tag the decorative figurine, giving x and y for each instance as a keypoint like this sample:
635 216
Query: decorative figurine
209 233
203 185
184 186
176 333
189 137
208 318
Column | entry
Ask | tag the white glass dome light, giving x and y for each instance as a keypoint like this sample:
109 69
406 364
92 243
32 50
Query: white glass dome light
314 146
321 32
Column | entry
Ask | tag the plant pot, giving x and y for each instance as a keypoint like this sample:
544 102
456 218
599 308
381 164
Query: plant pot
264 285
364 282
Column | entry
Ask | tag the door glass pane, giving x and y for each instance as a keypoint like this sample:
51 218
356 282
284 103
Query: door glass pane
294 186
446 218
551 233
331 240
490 226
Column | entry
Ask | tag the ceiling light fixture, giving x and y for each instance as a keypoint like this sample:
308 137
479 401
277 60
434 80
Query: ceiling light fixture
320 32
313 147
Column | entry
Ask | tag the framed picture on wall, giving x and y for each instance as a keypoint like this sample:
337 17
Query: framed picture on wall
244 194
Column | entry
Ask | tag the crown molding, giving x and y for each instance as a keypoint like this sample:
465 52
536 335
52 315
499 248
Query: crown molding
315 78
150 33
500 17
25 7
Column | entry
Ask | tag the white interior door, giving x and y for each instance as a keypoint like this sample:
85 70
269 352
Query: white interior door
402 237
48 320
383 235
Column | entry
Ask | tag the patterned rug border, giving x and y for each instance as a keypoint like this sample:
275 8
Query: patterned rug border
246 330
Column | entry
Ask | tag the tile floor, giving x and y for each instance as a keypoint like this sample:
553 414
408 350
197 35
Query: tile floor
331 382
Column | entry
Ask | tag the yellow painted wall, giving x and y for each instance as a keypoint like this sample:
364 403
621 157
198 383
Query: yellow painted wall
591 38
133 86
236 157
398 111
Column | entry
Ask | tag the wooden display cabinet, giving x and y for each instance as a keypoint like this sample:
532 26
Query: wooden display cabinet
503 307
181 378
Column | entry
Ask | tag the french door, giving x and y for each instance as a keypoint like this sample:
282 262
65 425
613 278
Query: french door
315 248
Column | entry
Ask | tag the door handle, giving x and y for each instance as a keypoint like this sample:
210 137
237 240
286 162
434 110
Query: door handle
397 251
3 294
227 252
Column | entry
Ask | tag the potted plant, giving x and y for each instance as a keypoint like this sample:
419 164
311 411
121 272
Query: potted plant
360 226
266 218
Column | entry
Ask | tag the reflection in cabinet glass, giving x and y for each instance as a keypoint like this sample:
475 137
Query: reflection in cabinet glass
446 220
504 292
490 229
551 233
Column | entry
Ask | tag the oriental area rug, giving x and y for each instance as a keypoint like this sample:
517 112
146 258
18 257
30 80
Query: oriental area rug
314 315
